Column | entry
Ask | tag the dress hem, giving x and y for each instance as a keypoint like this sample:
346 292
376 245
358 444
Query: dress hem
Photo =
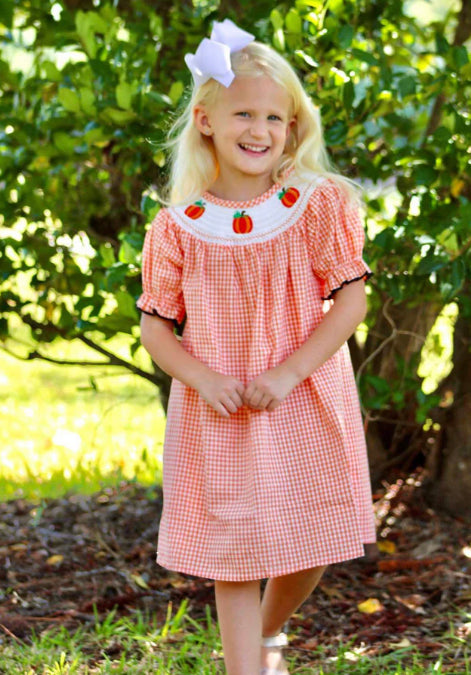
197 572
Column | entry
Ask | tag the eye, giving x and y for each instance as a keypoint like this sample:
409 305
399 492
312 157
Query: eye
274 117
242 114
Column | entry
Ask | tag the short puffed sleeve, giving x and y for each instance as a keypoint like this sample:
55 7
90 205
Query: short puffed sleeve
162 262
336 237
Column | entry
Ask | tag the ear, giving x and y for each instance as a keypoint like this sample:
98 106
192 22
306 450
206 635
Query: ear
290 126
201 120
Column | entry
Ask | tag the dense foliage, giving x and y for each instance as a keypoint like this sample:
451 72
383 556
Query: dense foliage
88 92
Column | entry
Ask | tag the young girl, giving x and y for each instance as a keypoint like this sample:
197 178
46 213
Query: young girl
265 468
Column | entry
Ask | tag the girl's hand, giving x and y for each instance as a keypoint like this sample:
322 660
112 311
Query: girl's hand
269 389
222 392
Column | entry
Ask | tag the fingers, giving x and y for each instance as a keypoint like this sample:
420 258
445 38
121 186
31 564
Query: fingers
258 396
227 396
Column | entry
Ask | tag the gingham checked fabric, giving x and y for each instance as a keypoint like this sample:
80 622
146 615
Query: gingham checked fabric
260 494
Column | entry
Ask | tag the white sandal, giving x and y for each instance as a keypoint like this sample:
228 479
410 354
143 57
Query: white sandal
279 641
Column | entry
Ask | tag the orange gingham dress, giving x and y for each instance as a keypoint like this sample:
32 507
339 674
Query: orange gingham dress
260 494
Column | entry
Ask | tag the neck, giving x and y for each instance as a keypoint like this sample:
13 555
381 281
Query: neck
240 191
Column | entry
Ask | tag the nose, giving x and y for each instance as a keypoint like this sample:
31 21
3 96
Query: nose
258 128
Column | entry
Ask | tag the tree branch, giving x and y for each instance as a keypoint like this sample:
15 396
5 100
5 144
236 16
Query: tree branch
156 377
36 355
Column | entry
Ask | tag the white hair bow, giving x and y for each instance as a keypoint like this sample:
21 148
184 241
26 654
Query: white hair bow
212 59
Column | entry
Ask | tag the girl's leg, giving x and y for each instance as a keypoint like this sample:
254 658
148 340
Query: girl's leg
282 597
238 608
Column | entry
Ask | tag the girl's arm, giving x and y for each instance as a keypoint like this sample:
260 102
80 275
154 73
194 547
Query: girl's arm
222 392
268 390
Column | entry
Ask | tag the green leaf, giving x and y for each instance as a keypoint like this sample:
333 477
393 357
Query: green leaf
6 13
442 135
276 19
293 21
424 174
124 93
64 142
107 254
52 71
366 57
448 240
441 43
86 33
126 305
149 207
95 136
336 6
97 23
279 39
87 101
119 117
127 253
306 58
407 86
458 277
159 98
380 384
345 36
337 133
116 275
69 99
176 91
348 94
116 323
431 263
460 56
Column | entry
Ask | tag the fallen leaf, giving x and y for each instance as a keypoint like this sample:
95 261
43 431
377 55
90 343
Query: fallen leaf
332 592
413 602
405 642
370 606
387 546
139 581
55 560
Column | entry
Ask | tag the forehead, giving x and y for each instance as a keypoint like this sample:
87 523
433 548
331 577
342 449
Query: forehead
254 92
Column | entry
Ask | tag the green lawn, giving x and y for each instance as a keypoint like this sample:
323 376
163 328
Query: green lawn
73 428
183 646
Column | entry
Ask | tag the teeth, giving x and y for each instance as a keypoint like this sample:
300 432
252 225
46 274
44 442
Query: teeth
253 148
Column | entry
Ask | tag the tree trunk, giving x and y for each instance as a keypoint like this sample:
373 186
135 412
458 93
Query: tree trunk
393 436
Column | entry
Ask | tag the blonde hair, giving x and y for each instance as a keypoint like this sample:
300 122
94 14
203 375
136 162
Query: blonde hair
193 165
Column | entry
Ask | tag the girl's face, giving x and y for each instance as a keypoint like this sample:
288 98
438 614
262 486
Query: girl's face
249 125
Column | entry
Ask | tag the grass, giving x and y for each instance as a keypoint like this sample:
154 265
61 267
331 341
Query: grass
76 429
183 646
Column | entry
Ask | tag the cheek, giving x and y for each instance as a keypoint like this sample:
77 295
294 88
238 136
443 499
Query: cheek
282 136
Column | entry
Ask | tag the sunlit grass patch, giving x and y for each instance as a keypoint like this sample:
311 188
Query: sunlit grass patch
75 428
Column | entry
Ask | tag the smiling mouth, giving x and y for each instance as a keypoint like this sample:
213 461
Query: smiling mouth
259 150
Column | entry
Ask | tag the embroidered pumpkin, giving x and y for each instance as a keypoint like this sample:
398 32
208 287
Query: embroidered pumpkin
242 223
195 211
289 196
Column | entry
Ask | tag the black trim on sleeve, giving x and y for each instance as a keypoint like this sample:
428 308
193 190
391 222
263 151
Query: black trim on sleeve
154 312
364 276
